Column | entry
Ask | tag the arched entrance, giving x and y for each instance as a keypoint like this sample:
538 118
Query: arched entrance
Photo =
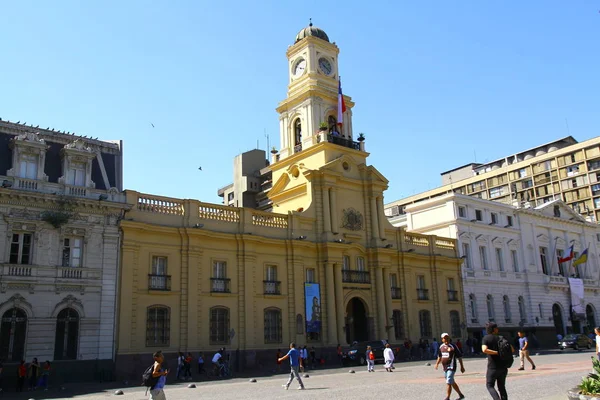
357 328
558 319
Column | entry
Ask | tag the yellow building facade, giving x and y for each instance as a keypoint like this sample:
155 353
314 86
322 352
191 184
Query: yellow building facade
324 268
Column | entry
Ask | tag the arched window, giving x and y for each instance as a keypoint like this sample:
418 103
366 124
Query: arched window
455 324
12 335
332 124
522 312
273 325
67 335
506 305
158 326
473 307
425 323
299 325
219 325
490 308
398 324
298 132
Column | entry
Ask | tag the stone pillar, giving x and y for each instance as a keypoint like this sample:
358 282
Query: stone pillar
326 211
374 219
380 217
381 313
388 303
339 304
332 335
333 208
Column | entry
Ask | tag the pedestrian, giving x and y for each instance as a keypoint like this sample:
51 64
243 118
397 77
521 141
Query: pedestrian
597 331
388 357
469 344
524 351
200 363
435 347
34 372
448 354
277 357
496 367
301 355
370 357
157 392
294 356
340 354
305 357
313 357
43 381
180 367
187 367
21 374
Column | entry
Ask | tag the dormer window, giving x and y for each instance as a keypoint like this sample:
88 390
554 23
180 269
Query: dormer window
29 157
77 160
28 166
76 174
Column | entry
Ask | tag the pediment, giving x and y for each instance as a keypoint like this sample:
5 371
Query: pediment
497 240
543 238
559 209
513 242
481 238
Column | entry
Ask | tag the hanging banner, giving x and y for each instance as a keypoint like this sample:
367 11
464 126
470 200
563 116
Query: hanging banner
577 302
312 301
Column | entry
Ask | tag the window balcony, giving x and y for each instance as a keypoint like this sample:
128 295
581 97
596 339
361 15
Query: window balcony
220 285
423 294
272 287
340 141
159 282
452 295
396 293
356 276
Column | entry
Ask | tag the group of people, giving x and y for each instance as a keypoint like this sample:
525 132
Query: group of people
35 375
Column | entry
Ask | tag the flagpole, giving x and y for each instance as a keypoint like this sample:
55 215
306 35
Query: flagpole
586 259
554 256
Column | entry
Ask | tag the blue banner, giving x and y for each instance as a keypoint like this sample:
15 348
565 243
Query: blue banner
312 300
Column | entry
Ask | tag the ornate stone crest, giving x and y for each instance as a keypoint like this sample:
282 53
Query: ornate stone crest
353 219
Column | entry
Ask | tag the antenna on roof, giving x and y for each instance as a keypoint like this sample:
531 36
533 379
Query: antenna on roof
267 136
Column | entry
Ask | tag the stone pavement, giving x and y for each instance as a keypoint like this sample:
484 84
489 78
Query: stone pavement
555 374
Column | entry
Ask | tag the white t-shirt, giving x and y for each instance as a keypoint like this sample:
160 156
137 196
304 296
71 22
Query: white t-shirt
598 342
217 357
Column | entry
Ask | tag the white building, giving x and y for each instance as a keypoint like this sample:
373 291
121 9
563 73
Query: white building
509 273
60 205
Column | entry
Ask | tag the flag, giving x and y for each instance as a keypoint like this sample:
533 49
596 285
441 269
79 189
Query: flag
581 259
568 257
341 105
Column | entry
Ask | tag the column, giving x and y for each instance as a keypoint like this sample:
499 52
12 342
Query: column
333 208
339 304
374 221
381 313
326 211
380 217
388 303
332 336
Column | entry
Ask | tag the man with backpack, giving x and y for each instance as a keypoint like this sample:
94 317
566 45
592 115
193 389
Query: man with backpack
155 378
500 359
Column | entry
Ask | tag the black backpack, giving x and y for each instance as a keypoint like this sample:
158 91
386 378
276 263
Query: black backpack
505 352
147 379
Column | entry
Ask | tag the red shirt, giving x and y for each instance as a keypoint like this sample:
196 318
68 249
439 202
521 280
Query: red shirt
22 371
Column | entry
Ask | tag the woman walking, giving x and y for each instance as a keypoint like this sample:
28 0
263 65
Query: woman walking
388 356
370 357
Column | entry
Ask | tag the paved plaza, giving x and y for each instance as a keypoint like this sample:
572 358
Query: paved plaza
555 374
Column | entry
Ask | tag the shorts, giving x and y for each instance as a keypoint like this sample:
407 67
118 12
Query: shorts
157 394
449 376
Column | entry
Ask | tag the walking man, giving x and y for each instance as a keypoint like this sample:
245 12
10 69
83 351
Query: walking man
293 355
524 351
448 354
496 367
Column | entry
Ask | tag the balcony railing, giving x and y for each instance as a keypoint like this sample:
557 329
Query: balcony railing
423 294
159 282
340 141
452 295
272 287
355 276
396 293
220 285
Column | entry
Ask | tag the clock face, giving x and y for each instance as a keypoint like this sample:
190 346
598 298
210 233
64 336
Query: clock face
325 66
299 67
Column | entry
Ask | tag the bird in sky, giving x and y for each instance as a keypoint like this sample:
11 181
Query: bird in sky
152 124
200 168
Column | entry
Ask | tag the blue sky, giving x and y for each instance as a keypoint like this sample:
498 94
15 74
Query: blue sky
436 85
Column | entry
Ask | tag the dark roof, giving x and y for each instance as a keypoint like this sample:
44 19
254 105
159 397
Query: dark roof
473 165
311 30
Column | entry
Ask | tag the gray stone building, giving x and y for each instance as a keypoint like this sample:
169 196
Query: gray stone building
60 204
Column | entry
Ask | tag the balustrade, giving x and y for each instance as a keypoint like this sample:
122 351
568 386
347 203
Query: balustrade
159 205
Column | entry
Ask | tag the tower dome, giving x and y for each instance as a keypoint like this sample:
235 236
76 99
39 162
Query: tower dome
311 30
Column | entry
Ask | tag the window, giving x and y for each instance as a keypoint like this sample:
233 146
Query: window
220 269
76 174
219 281
230 196
422 293
425 323
561 267
522 312
298 132
273 325
398 324
28 166
310 275
467 255
299 324
395 289
509 220
455 324
499 259
483 258
543 251
515 260
219 325
494 218
158 279
452 292
12 335
20 248
462 212
271 282
541 309
478 215
360 264
573 158
572 170
506 305
271 273
522 172
158 326
67 335
490 308
346 263
473 307
71 255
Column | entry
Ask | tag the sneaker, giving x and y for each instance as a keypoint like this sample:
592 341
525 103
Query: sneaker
533 367
300 387
284 386
521 369
462 396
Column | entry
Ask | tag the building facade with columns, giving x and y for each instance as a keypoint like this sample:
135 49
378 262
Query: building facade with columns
510 269
60 203
324 268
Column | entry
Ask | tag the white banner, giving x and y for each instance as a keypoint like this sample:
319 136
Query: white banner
577 302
